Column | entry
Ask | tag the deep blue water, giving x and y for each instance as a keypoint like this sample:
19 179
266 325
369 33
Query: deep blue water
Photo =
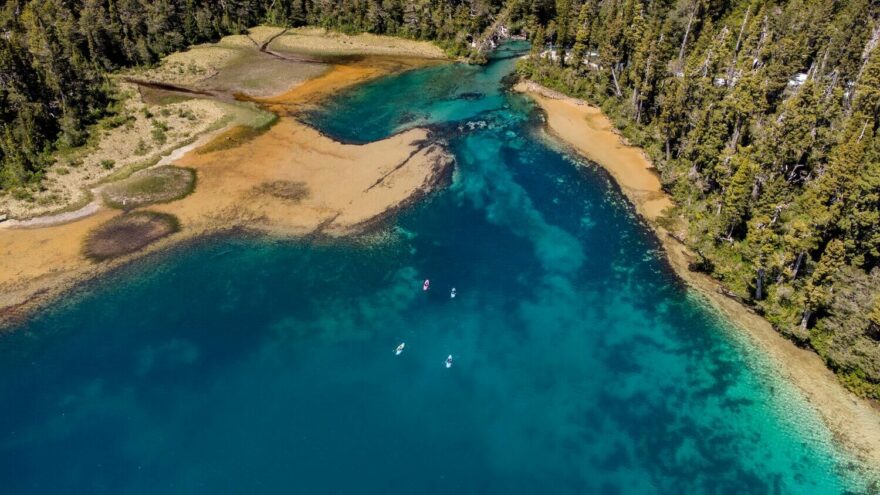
252 366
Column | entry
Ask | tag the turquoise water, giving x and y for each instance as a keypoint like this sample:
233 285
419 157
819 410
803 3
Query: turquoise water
241 365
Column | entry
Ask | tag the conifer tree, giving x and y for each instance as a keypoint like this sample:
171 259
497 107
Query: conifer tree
736 196
818 290
582 36
874 317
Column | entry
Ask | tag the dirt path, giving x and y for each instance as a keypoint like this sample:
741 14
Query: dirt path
45 221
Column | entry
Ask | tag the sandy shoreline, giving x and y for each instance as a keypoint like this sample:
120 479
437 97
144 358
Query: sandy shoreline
854 421
284 182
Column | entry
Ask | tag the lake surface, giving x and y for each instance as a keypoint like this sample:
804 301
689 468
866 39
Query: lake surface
581 364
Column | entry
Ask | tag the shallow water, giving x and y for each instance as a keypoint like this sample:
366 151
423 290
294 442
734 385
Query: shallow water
581 364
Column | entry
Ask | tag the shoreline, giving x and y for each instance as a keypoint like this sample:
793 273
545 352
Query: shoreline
854 422
257 185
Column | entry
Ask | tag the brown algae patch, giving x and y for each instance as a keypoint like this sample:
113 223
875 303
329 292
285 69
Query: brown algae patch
128 233
155 185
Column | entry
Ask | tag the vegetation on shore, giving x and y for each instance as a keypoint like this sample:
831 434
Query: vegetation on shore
762 117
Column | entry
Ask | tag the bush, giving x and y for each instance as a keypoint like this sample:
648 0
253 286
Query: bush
22 194
107 164
158 132
141 148
187 114
116 121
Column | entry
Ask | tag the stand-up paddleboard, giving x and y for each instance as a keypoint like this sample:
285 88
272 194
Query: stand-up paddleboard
426 285
449 361
399 349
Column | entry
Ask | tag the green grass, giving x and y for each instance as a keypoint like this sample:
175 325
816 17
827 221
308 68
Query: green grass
158 185
245 113
239 134
161 97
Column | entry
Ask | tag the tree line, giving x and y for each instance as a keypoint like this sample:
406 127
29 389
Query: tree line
55 54
762 117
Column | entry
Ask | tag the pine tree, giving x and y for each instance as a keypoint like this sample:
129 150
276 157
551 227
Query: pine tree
735 204
818 290
538 41
582 36
563 14
762 240
874 316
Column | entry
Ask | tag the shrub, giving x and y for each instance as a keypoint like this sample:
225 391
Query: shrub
22 194
116 121
158 132
186 113
141 148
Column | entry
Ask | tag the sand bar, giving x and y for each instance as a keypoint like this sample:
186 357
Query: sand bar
855 422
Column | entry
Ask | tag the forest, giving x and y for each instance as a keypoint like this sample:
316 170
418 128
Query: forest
760 115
